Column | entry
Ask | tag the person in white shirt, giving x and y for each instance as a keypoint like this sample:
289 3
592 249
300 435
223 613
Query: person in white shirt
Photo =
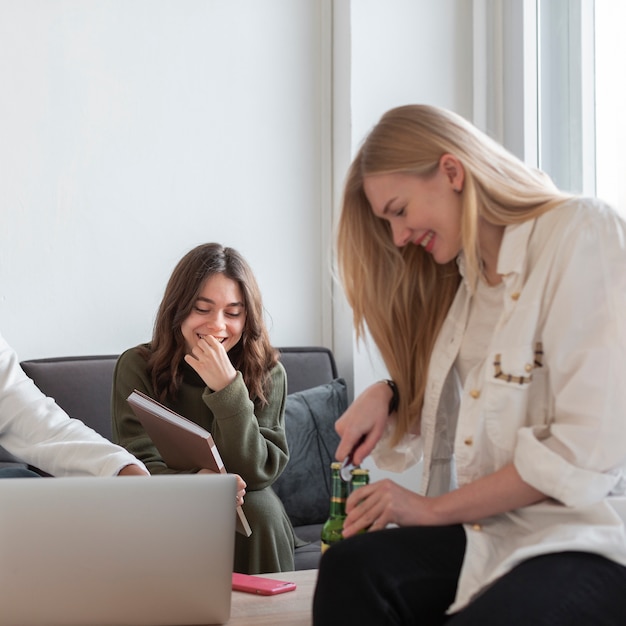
498 304
36 432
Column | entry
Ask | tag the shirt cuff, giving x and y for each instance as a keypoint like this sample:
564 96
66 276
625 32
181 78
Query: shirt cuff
405 454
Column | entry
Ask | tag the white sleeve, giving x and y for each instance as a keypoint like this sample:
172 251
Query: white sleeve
580 458
400 457
37 431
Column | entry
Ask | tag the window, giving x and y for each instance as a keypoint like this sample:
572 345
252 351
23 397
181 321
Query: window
566 116
581 97
610 123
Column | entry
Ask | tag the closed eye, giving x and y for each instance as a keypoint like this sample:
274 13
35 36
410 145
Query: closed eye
399 212
390 215
201 311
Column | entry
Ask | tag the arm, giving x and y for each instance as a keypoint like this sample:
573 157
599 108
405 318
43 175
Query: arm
384 502
577 455
36 430
365 417
238 425
251 440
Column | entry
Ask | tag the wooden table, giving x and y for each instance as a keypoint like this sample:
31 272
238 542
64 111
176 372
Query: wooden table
289 609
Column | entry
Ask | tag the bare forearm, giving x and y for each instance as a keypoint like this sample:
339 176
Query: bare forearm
496 493
385 502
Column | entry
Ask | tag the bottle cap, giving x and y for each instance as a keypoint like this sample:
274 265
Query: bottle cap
360 471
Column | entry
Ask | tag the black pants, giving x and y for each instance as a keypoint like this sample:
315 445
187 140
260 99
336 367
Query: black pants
409 576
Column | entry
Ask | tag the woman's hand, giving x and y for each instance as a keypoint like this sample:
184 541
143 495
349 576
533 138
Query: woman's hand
209 359
363 424
241 485
241 490
384 502
133 470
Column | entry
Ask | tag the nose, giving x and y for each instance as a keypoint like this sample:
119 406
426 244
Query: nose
400 234
216 321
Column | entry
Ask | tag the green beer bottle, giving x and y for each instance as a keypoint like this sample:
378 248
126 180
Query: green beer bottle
333 527
360 477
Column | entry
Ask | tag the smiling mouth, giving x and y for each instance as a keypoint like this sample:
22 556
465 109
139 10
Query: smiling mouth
426 239
220 339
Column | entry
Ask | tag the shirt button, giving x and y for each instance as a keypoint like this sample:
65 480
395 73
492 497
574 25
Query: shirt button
515 296
528 367
475 393
469 441
477 527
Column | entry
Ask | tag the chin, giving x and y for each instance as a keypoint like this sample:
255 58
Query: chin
444 258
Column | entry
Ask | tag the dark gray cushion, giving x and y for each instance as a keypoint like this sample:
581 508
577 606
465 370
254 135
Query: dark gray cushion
310 415
307 367
80 385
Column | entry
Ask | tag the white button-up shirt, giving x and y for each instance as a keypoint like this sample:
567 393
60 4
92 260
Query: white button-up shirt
549 396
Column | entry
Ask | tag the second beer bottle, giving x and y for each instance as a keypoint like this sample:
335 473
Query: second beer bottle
340 489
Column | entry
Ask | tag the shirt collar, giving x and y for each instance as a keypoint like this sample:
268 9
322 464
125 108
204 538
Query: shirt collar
513 249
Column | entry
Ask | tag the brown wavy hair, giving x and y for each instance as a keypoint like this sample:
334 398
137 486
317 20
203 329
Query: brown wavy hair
253 355
400 294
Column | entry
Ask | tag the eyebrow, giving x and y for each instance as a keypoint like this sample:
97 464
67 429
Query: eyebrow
209 301
387 206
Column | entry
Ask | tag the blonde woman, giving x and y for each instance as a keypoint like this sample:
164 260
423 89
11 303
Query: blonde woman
499 306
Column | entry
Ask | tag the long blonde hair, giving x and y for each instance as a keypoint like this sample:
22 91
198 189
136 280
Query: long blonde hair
402 295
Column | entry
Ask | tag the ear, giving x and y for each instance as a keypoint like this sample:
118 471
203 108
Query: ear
454 171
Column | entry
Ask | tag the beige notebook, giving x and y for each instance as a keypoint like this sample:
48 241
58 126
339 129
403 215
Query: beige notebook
182 443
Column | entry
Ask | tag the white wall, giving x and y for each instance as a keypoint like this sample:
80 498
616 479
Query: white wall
132 130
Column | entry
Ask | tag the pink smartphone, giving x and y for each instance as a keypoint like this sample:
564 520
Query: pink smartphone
260 584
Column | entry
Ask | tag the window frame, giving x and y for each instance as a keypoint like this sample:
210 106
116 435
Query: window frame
522 50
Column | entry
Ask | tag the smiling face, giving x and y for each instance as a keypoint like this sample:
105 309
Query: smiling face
424 211
219 311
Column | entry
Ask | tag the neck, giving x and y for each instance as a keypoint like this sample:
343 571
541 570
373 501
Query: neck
489 240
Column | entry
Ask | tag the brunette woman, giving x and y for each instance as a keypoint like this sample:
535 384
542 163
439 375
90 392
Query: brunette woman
210 360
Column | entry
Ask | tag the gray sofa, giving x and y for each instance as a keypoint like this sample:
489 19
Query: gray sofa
316 397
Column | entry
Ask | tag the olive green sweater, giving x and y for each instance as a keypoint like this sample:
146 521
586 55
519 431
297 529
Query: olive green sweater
251 441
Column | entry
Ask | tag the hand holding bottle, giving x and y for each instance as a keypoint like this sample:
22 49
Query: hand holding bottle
385 502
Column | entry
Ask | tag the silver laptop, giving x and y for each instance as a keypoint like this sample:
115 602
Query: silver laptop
128 550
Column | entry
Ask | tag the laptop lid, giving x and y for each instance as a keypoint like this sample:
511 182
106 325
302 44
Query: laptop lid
127 550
